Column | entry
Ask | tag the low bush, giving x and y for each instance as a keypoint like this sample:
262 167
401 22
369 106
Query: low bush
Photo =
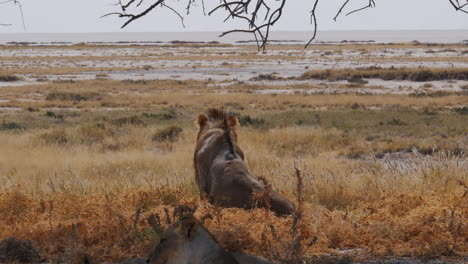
462 110
57 136
54 115
160 116
251 121
168 134
71 96
411 74
396 122
132 120
11 126
9 78
93 134
358 80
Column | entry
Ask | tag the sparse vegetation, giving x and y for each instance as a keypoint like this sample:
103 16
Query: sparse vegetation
160 116
428 86
102 75
70 96
9 78
247 120
56 136
412 74
266 77
11 126
54 115
462 110
358 80
132 120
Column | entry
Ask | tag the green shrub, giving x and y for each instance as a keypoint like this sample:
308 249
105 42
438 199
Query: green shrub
462 110
251 121
11 126
54 115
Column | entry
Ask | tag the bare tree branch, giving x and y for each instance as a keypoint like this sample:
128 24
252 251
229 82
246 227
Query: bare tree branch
17 3
175 12
260 28
459 6
259 15
341 9
313 20
370 5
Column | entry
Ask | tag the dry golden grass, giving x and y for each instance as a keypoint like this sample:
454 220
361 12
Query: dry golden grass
163 93
421 220
104 173
83 164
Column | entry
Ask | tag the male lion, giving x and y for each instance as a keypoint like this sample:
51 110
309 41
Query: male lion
221 172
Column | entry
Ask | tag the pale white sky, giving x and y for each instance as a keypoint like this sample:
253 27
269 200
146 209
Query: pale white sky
84 16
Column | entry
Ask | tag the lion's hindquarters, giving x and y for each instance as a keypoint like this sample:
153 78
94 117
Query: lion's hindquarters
233 186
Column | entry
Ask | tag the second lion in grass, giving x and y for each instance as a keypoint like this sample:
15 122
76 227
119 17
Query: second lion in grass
220 171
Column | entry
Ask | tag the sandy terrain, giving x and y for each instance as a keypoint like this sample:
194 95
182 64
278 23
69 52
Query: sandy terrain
232 64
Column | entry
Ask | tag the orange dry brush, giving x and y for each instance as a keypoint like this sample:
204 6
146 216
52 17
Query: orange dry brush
114 226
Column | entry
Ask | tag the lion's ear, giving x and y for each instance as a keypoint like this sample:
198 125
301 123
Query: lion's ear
188 226
201 120
232 121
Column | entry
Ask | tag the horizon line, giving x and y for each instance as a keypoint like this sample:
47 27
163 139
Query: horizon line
220 31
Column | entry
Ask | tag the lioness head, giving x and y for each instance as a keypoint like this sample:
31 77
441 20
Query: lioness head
174 244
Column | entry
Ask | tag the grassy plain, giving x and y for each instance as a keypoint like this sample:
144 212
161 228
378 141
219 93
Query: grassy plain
85 163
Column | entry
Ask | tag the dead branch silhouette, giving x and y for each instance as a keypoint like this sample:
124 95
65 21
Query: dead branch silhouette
260 15
20 7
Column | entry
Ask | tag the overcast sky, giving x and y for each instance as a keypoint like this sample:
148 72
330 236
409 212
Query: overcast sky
84 16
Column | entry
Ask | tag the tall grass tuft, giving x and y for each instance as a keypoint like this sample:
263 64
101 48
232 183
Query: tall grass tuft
168 134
